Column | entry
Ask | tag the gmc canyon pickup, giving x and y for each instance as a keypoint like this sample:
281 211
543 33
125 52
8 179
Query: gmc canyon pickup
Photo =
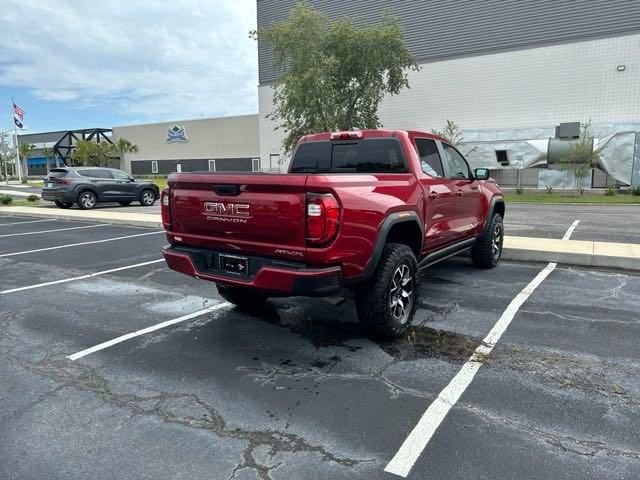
363 209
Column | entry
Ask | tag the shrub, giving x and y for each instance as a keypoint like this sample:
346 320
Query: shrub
33 198
548 189
635 191
611 191
519 190
5 199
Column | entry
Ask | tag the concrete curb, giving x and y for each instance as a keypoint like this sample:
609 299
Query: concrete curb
129 219
624 256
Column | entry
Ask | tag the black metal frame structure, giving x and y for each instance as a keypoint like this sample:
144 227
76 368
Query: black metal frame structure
65 146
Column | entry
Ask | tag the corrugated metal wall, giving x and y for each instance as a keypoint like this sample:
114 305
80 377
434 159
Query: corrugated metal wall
439 29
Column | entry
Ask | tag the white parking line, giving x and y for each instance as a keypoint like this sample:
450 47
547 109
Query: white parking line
144 331
568 233
29 221
69 245
415 443
54 230
81 277
419 437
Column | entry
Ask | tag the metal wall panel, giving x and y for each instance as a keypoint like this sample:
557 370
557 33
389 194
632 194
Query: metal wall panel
439 29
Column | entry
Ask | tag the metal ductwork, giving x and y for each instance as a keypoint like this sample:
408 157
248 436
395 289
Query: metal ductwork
619 154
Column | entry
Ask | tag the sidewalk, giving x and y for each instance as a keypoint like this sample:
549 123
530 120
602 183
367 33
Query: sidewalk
524 249
116 218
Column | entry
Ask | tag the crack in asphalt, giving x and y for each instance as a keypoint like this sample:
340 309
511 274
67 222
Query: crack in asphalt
566 443
562 371
163 406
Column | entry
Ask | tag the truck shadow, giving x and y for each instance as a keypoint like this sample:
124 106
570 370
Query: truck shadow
324 325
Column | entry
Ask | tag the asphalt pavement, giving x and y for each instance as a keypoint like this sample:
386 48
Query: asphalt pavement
295 390
605 223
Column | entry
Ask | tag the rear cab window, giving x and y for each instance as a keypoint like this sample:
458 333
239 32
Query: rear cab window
369 155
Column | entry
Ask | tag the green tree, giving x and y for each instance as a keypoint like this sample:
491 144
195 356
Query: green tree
123 146
49 154
334 75
25 153
7 155
451 132
580 157
92 154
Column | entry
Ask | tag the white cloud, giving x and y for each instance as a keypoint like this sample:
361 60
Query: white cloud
155 60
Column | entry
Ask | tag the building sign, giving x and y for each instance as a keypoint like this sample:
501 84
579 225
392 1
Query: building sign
176 134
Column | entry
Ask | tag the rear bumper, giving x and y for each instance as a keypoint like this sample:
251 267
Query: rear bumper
63 196
267 275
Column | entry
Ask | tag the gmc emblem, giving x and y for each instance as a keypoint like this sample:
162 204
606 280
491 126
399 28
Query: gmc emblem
242 210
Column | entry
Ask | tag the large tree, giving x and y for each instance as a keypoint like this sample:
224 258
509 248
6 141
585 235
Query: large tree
7 155
92 153
334 75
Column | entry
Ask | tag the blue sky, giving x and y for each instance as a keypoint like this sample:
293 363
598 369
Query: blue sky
76 64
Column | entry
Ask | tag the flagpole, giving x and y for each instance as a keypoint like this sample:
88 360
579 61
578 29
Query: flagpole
15 142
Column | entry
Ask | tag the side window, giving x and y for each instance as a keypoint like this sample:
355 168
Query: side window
102 174
429 157
458 167
118 175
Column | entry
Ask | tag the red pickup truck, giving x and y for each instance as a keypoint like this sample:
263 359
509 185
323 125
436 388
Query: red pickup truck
363 209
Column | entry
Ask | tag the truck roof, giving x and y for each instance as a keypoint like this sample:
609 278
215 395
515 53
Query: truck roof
374 133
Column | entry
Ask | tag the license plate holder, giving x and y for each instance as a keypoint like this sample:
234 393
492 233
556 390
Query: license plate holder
234 264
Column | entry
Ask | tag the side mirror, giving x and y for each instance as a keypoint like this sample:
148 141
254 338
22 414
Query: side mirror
131 179
481 173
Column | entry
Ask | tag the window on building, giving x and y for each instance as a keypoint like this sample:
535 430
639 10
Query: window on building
255 164
429 157
212 165
502 157
154 166
458 167
274 161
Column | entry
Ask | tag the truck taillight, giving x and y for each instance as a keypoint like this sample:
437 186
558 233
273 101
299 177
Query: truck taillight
165 208
323 218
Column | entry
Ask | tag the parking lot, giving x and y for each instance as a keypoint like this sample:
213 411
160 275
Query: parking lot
296 390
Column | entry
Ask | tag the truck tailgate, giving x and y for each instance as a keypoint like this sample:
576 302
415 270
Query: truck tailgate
259 213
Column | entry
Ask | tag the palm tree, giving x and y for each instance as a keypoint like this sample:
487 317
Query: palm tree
123 146
25 153
50 155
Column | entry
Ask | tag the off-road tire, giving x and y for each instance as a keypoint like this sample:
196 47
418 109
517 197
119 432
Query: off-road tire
84 202
375 304
242 297
61 204
125 204
487 250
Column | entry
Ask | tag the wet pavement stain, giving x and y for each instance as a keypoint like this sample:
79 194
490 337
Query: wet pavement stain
422 342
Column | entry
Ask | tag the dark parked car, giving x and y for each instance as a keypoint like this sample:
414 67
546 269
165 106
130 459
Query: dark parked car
88 186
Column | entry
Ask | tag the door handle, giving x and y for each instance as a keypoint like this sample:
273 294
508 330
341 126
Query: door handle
432 195
459 193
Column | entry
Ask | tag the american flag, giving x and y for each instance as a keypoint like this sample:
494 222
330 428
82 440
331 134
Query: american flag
18 112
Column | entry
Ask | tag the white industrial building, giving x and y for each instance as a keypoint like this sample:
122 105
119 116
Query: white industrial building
507 72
